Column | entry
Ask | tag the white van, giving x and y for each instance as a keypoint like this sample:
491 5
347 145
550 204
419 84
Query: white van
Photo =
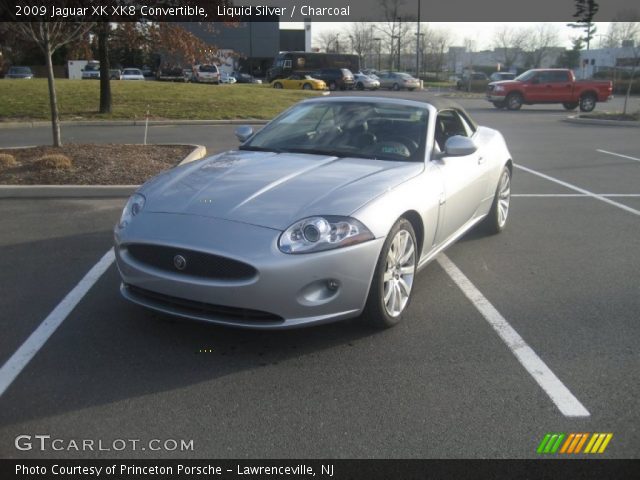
206 74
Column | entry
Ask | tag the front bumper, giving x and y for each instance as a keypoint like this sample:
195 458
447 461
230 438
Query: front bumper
287 290
495 98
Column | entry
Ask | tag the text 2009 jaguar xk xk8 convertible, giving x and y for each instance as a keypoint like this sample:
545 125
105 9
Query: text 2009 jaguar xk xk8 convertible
326 213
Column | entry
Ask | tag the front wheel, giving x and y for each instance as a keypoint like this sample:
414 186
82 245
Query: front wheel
390 291
396 87
359 86
496 220
499 105
514 101
277 85
307 86
587 102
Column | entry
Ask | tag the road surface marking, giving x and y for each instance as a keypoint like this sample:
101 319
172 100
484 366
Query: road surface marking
559 394
578 189
618 155
573 195
19 360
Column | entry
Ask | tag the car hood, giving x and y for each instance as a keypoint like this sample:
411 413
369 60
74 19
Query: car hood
273 189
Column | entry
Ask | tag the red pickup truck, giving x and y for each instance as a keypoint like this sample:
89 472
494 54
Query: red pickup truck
552 85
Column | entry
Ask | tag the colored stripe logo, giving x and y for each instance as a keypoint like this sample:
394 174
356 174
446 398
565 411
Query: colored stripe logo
572 443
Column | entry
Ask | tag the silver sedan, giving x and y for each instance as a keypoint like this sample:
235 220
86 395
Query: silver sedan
326 213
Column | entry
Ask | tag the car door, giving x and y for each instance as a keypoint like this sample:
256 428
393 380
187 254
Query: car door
465 177
539 89
561 86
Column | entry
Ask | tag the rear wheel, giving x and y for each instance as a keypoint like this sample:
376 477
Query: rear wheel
396 87
333 86
390 291
277 85
359 86
496 220
570 105
587 102
514 101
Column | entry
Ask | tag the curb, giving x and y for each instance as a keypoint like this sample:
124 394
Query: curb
596 121
84 191
131 123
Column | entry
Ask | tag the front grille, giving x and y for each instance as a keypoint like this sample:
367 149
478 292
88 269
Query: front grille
490 87
198 264
192 307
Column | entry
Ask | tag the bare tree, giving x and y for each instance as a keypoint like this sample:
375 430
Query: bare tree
361 37
469 46
508 43
629 32
539 40
396 30
621 29
326 40
50 36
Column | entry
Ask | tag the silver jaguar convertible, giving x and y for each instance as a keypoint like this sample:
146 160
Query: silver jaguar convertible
326 213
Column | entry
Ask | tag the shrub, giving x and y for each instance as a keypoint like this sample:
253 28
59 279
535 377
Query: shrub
54 162
7 160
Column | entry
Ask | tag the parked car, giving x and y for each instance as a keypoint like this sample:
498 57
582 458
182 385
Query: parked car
326 213
206 74
131 74
188 74
335 78
148 73
227 78
499 76
475 81
23 73
91 71
299 81
245 78
114 74
366 82
398 81
551 85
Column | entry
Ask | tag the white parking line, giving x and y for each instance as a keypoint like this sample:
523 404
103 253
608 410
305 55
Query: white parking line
12 368
578 189
573 195
618 155
559 394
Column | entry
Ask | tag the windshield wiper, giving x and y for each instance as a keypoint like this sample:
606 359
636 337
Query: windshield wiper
259 149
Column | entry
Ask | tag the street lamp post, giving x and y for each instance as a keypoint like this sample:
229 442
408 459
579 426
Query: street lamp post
419 40
337 43
399 37
391 54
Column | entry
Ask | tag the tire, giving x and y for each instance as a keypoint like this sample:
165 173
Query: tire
359 86
396 87
514 101
499 105
496 220
390 292
333 86
570 105
587 102
277 85
307 86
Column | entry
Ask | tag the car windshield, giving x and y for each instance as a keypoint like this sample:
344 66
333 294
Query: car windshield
376 130
526 76
132 72
21 70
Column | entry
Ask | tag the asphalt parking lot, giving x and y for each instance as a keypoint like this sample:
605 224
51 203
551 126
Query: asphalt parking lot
565 275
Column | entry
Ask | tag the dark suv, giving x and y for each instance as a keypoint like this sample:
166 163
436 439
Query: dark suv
335 78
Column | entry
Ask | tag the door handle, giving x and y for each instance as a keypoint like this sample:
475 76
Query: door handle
480 160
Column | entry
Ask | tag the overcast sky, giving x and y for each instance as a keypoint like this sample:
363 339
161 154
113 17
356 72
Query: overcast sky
482 33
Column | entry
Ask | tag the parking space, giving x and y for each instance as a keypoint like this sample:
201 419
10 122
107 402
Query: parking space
564 275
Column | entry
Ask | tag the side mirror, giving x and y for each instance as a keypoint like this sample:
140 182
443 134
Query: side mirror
244 132
459 146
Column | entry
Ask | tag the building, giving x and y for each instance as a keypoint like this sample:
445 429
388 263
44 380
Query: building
250 46
608 59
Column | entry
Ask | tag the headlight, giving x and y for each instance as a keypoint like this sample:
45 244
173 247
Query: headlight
134 206
499 89
315 234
